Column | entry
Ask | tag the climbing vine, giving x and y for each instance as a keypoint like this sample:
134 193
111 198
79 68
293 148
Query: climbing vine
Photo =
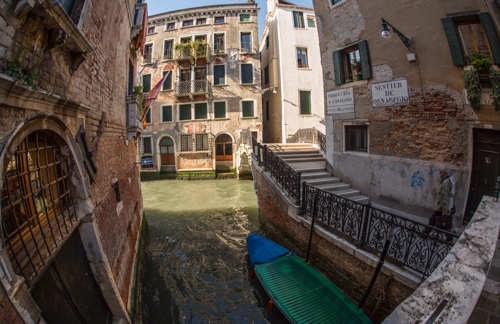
473 87
495 91
140 99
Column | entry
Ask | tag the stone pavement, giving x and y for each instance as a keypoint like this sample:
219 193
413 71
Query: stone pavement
487 309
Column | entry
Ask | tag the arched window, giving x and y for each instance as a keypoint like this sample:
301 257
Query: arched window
38 209
167 152
223 148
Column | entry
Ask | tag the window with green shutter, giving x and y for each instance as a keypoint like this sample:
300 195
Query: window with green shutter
148 116
305 102
244 17
185 112
146 83
246 73
219 74
220 109
352 63
200 110
166 114
247 108
167 84
266 75
310 22
298 19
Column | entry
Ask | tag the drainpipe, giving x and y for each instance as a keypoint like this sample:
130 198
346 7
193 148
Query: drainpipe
379 266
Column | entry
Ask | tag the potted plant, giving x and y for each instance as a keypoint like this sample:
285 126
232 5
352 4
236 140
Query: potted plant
356 67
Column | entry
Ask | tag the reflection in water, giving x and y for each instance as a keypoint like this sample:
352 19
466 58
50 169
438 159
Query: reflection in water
196 262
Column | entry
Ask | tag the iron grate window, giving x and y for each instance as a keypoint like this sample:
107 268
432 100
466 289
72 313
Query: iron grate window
186 143
146 145
38 209
201 142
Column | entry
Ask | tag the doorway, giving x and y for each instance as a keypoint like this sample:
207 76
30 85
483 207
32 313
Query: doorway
224 148
167 152
485 168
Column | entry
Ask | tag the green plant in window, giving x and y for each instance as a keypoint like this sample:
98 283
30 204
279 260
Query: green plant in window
480 62
140 99
358 72
198 48
495 91
473 87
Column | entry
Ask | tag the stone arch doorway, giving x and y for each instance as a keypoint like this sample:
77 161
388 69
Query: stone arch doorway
167 151
40 229
224 152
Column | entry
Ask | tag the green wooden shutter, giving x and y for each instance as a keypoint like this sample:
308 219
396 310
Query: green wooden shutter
295 19
338 67
219 74
247 108
305 102
220 110
146 83
364 54
185 112
200 111
166 113
167 84
148 116
246 73
244 17
491 33
450 30
301 19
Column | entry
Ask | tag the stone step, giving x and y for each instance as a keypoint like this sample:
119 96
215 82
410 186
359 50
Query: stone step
288 144
345 192
296 152
312 175
286 149
360 199
332 186
287 155
313 159
305 169
321 181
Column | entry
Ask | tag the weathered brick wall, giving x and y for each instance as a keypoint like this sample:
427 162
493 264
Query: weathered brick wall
194 161
100 83
8 313
346 271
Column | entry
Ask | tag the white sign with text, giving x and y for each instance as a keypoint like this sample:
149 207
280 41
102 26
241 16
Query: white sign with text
393 93
340 101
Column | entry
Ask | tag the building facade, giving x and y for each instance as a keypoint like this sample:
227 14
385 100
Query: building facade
397 111
212 93
71 201
291 72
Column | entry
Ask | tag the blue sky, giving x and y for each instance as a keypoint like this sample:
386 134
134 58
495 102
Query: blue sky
159 6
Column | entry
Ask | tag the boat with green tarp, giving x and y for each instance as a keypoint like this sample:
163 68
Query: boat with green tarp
302 293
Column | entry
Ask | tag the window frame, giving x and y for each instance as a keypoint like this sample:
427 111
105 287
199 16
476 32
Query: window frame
152 44
207 116
225 74
266 75
150 114
310 102
201 18
225 110
339 59
300 14
195 135
254 108
358 124
241 73
223 41
187 21
335 3
311 19
150 82
143 151
154 30
171 113
170 23
297 49
181 136
243 21
168 40
249 32
171 81
220 16
179 111
181 38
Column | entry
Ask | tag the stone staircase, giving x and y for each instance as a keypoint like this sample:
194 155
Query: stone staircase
305 158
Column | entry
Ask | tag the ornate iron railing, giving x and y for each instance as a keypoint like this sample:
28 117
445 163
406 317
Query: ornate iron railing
168 54
309 135
284 175
219 48
415 245
182 53
185 88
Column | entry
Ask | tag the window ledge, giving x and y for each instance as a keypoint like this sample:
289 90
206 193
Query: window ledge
355 153
194 152
220 85
167 90
354 83
304 69
247 84
304 115
168 30
300 28
167 122
246 22
201 119
221 119
249 117
224 23
152 33
187 27
167 60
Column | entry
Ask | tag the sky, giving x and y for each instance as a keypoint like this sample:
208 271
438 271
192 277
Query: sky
159 6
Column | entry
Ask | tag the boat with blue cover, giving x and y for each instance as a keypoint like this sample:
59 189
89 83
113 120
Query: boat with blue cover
301 293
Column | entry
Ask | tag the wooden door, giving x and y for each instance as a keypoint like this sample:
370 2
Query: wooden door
485 169
167 152
224 148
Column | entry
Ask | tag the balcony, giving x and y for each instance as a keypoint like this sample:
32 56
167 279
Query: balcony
147 59
186 51
168 54
193 88
219 49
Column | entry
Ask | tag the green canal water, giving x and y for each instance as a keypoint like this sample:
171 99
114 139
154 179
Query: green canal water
196 260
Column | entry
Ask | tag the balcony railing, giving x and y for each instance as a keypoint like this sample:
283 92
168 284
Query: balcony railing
168 54
147 59
219 49
186 54
186 88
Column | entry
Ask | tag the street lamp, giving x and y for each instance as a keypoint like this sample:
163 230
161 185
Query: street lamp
387 34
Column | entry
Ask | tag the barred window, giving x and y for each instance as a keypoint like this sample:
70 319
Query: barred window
186 142
146 145
201 142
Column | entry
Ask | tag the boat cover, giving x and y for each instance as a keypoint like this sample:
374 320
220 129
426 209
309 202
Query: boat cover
262 250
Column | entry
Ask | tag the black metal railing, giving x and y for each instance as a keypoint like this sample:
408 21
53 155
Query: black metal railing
182 53
309 135
219 49
168 54
416 245
185 88
147 59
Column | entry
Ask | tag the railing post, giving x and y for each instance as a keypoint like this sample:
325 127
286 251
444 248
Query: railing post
297 198
303 205
264 158
366 215
315 211
258 154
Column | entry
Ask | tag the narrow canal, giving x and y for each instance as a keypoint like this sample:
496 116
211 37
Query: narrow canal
196 260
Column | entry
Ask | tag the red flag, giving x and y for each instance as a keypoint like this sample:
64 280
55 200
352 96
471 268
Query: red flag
144 30
151 96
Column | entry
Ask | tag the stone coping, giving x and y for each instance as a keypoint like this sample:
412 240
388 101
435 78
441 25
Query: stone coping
460 277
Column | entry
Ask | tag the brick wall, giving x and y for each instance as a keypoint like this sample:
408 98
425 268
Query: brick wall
351 274
8 313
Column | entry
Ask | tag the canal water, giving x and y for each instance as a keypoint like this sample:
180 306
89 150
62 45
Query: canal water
196 260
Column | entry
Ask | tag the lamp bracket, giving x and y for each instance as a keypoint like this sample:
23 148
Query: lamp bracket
406 41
